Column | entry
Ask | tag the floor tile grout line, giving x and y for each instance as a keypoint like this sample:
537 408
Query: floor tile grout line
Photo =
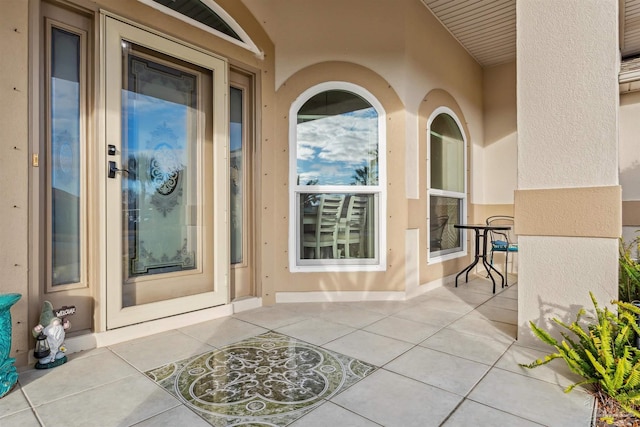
466 396
495 367
346 409
418 344
578 389
490 367
489 406
82 391
290 338
362 328
384 315
32 406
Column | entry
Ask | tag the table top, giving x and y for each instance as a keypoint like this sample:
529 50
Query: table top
482 227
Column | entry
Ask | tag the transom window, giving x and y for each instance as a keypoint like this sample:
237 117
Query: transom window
337 168
208 16
447 184
197 10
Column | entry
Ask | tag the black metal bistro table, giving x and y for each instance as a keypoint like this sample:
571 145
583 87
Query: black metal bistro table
482 232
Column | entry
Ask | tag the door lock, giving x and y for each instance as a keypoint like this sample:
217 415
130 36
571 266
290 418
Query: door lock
113 169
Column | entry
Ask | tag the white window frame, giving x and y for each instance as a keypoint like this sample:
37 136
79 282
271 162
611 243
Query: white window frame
245 41
443 193
378 263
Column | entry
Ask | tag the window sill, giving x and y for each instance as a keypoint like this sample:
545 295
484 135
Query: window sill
447 257
346 268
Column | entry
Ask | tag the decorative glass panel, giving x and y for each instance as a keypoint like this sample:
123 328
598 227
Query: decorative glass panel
337 140
65 196
160 141
447 155
337 226
236 171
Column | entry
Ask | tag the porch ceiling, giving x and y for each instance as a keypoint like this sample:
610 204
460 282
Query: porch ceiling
487 29
629 27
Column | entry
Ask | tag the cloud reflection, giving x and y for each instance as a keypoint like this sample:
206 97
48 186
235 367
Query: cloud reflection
331 149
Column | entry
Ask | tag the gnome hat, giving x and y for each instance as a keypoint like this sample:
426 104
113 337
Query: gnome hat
46 315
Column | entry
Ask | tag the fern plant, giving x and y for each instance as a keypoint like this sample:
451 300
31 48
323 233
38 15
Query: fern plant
602 353
629 277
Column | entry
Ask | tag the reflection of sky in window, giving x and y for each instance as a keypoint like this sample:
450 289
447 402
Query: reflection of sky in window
331 149
235 136
65 115
151 122
147 113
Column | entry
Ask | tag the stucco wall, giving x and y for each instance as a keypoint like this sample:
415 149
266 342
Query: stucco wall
419 210
399 39
14 166
500 134
570 113
567 100
393 278
407 50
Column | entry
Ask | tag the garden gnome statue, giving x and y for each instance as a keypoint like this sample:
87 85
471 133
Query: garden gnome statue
52 329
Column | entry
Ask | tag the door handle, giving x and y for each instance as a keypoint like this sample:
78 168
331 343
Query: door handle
113 169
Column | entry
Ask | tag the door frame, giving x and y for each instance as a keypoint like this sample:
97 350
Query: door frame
245 271
81 294
219 222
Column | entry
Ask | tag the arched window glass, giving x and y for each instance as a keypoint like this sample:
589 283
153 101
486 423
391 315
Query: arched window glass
336 178
447 184
337 140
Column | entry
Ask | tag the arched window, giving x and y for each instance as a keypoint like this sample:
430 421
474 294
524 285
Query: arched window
447 189
337 179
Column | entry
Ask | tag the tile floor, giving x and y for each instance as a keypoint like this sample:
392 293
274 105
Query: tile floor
446 358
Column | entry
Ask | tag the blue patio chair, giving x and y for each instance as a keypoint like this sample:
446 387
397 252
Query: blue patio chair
502 241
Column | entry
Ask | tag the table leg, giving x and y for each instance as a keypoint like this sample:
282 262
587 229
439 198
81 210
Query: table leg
488 265
473 264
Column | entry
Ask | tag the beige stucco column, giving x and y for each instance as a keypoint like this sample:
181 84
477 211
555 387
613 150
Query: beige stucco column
567 205
14 167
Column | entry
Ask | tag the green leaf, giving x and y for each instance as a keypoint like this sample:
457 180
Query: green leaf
539 362
621 371
568 389
599 368
633 379
543 335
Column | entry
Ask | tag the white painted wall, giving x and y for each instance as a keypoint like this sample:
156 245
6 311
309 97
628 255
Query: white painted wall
567 93
567 98
629 142
630 145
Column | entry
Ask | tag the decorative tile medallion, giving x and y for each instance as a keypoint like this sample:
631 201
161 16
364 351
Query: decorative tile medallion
267 380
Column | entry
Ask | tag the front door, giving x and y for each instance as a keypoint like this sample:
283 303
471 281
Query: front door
167 185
